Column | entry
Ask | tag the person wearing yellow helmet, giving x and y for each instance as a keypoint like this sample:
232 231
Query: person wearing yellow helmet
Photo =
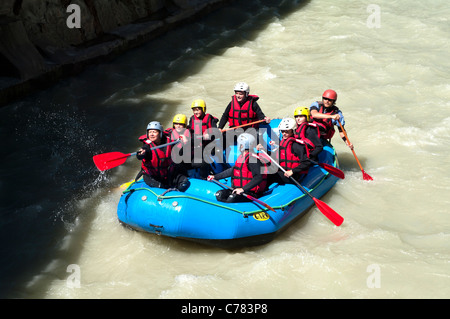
325 113
201 126
307 133
179 130
201 121
180 119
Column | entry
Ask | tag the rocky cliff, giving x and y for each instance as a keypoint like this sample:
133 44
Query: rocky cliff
43 41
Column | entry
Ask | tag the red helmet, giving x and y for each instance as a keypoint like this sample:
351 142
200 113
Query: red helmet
330 94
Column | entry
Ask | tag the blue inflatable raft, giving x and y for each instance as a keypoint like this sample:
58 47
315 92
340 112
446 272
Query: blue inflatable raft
197 216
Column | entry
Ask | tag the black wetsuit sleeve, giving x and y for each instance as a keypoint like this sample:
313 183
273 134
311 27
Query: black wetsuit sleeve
224 119
226 173
257 109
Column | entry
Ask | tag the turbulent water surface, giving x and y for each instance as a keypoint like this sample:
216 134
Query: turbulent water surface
387 61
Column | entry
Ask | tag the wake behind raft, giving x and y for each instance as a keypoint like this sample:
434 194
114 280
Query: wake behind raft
196 215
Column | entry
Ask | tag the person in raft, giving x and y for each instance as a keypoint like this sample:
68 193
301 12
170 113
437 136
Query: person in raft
157 166
248 175
307 133
325 114
179 131
201 122
291 154
201 125
242 109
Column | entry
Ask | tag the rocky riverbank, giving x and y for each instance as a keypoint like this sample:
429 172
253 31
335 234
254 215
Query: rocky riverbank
44 41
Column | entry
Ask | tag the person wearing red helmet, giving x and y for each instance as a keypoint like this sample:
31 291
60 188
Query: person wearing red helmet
325 114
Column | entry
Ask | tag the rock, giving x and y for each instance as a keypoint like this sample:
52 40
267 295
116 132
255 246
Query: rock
18 50
37 47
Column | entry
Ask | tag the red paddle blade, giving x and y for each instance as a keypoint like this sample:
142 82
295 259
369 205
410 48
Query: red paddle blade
334 217
333 170
107 161
366 176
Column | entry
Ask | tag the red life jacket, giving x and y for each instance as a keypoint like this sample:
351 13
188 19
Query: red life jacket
173 136
199 126
326 125
288 160
242 175
300 135
244 114
160 165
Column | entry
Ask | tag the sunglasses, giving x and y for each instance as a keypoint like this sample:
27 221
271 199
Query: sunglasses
327 99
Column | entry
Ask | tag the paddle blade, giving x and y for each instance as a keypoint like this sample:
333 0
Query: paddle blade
107 161
333 170
126 185
366 176
334 217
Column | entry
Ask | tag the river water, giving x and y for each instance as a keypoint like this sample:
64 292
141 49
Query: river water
387 60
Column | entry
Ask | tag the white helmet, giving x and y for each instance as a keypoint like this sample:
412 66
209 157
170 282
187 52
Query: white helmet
287 124
242 86
155 125
246 141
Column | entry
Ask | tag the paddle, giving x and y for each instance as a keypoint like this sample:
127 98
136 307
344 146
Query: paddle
251 123
330 169
334 217
248 196
110 160
366 176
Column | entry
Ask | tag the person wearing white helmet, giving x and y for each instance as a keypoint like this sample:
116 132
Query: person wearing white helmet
326 114
157 167
248 175
291 154
243 108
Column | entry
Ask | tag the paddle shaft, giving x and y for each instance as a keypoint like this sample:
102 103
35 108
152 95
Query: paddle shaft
109 160
153 148
365 175
346 137
251 123
246 195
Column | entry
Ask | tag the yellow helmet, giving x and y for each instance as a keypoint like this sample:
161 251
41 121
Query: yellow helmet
302 110
199 103
180 119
